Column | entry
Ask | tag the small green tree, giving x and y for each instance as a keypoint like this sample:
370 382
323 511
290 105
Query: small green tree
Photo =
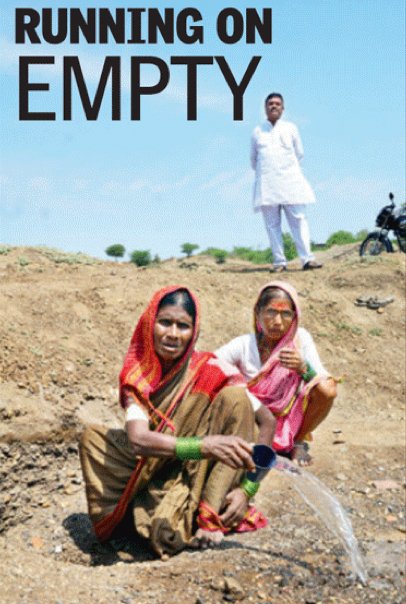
141 257
340 238
217 254
289 246
117 250
220 256
189 248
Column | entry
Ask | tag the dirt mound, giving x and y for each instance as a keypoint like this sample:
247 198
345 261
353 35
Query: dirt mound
65 323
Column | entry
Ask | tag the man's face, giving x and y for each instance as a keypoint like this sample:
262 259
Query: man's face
274 109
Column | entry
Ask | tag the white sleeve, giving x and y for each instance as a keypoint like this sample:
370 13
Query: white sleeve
230 352
253 153
297 143
310 353
134 411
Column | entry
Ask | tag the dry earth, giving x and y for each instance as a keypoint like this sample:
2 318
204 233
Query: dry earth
65 324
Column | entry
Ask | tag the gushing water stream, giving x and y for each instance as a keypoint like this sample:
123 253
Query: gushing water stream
327 507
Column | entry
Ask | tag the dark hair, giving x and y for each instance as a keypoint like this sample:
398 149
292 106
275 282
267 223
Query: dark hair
180 297
269 294
273 94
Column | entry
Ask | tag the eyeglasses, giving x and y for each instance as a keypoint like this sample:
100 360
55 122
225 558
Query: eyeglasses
286 315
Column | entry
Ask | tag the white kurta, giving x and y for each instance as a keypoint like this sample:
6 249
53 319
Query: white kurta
275 155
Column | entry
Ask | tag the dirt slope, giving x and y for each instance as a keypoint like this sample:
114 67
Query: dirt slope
65 323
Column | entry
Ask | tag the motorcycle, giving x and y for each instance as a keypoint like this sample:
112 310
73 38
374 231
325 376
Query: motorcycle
389 219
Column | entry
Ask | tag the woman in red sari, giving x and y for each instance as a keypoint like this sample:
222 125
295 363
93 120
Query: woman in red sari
189 423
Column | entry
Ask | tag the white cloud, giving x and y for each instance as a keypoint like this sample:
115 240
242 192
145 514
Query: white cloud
114 187
80 184
218 180
351 188
40 184
230 185
137 185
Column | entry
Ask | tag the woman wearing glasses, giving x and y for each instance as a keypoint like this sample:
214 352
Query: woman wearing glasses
283 369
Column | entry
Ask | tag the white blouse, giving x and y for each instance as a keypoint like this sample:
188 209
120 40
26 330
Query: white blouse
242 352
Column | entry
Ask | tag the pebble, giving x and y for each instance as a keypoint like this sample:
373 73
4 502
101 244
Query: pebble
217 584
37 542
232 587
383 485
342 477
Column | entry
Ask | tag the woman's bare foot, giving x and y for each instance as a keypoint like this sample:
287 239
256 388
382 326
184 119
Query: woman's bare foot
300 454
204 539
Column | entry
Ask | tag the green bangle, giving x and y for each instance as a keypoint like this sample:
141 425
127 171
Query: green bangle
309 374
249 487
188 447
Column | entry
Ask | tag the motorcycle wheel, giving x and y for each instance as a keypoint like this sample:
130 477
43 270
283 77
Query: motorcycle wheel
402 244
374 244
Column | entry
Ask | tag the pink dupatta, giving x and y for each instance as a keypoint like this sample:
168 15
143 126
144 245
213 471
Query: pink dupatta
282 390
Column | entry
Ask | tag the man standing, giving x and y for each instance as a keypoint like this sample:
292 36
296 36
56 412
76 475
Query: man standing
276 150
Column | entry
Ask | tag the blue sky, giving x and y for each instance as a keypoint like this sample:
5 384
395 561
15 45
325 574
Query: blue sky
162 181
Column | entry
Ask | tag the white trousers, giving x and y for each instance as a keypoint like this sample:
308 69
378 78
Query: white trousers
296 217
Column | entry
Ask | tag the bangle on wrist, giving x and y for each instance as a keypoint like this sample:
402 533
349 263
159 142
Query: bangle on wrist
249 487
188 447
309 374
303 368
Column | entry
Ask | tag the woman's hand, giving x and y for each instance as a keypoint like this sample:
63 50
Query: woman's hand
292 359
236 505
230 450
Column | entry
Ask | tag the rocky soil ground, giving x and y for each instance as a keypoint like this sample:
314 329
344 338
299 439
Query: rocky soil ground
65 324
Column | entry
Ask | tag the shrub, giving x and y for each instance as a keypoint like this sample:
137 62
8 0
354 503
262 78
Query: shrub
220 256
289 246
360 236
60 257
217 252
117 250
340 238
189 248
141 257
255 256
